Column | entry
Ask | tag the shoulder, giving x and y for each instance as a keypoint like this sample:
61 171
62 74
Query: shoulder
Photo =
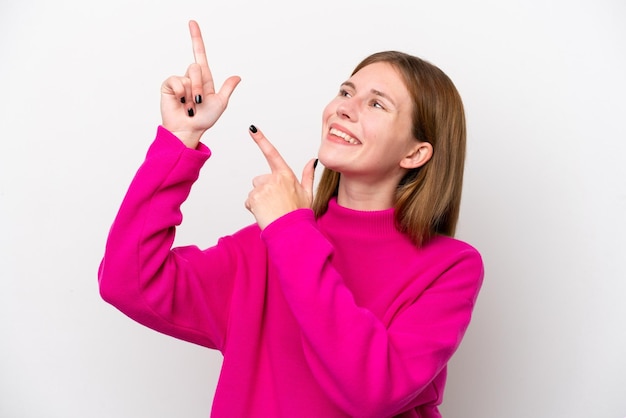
457 265
450 245
451 251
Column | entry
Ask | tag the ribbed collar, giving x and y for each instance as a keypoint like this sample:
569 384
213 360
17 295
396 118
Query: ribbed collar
345 221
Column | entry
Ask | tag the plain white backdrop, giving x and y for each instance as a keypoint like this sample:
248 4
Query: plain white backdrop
544 200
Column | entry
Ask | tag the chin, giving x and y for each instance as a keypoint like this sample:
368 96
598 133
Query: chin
331 158
328 161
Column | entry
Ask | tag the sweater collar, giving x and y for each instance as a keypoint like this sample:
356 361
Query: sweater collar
377 223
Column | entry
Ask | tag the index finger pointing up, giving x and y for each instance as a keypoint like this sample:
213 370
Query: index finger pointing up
199 53
271 154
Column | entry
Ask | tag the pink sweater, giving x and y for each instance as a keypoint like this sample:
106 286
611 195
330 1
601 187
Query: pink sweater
337 317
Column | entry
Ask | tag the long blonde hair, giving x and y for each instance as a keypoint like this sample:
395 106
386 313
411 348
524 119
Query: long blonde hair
428 198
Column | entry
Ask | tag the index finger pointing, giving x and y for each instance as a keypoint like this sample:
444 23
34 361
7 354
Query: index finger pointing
271 154
199 53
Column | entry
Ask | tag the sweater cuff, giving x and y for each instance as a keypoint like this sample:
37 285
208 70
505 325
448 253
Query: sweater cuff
170 141
290 223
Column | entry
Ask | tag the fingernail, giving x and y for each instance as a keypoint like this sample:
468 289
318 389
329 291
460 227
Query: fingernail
198 99
183 100
190 112
315 163
253 129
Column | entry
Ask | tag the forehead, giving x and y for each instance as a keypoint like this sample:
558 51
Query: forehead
383 77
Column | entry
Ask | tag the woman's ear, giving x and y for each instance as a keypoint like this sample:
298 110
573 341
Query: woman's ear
419 155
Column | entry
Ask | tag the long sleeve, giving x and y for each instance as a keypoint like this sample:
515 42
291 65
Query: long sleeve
336 316
374 364
182 292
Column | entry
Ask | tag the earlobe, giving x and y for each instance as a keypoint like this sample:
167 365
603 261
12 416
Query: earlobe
419 156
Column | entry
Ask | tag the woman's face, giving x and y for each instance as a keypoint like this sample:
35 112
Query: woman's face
366 129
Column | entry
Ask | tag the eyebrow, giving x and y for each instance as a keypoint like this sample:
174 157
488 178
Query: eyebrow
373 91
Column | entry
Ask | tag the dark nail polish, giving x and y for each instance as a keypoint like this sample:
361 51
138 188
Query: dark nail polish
190 112
182 100
315 164
198 99
253 129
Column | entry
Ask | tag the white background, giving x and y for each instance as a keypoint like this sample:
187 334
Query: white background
544 198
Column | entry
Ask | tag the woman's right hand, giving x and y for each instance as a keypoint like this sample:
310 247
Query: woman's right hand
189 103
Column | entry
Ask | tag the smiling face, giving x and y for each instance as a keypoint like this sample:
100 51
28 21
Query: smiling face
367 128
388 119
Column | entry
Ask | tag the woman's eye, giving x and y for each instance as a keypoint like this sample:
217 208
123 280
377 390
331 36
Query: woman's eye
344 93
377 105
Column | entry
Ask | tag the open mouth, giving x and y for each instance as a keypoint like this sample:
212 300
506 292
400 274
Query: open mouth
344 136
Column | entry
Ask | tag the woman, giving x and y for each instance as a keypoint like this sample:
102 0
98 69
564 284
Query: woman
347 305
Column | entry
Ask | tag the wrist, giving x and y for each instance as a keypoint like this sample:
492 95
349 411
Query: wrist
190 139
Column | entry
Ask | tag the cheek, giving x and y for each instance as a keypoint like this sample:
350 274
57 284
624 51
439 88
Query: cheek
324 128
327 112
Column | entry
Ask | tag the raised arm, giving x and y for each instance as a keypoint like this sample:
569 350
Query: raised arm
171 290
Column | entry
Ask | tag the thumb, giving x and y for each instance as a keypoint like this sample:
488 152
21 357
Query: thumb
228 87
308 176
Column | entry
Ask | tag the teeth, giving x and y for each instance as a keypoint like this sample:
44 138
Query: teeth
344 135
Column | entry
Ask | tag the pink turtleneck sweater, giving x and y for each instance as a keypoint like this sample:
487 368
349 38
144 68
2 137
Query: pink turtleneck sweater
336 317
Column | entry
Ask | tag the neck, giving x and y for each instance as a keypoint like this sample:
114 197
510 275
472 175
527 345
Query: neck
365 196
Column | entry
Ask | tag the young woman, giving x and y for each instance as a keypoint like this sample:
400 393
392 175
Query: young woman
349 304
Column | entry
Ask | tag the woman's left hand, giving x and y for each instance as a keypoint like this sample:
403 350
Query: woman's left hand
280 192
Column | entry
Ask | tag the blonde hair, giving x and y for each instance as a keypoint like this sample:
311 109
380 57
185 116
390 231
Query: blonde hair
428 198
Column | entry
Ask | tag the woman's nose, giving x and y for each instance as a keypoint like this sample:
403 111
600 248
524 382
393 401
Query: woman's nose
346 109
